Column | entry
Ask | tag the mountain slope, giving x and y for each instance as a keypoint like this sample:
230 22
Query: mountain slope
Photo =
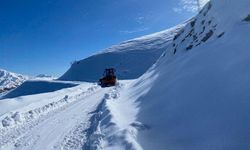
131 58
9 80
196 97
197 94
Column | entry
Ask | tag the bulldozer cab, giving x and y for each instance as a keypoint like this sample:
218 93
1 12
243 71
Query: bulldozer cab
109 78
109 72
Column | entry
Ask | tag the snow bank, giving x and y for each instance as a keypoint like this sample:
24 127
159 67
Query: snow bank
200 97
113 123
131 58
23 109
195 97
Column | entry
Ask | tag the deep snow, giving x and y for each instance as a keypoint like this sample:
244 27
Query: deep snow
195 97
42 121
131 58
70 118
199 99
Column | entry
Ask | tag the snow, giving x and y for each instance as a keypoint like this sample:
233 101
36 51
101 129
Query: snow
9 80
131 58
71 118
116 116
195 97
199 98
30 102
59 119
191 99
36 86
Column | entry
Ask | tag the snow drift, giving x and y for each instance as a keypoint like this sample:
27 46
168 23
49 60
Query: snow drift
198 96
195 97
131 58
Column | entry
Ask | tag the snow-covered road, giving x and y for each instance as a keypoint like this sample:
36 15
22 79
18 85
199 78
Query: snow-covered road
62 128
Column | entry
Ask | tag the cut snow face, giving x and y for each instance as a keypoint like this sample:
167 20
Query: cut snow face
130 59
200 98
195 97
9 80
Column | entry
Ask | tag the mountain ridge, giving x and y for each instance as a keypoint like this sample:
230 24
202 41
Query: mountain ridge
10 80
130 58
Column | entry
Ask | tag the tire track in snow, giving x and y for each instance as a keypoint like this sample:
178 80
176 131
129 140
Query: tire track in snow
27 135
101 116
87 138
106 131
75 138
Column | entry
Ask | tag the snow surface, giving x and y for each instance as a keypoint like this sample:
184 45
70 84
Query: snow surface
66 119
130 59
195 97
9 80
36 86
199 97
42 121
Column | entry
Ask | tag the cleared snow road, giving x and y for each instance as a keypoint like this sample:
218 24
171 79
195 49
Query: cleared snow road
60 129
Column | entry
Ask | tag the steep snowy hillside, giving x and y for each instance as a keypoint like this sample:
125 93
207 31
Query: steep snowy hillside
9 80
196 97
131 58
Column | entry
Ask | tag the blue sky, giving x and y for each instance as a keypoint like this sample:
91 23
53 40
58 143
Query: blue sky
44 36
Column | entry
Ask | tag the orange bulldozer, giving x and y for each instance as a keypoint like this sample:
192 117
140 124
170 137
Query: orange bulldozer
109 78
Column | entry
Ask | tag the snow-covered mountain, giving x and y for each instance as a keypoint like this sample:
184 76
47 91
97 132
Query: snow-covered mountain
131 58
9 80
195 97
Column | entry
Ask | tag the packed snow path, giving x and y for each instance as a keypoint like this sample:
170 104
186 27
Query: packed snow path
62 128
